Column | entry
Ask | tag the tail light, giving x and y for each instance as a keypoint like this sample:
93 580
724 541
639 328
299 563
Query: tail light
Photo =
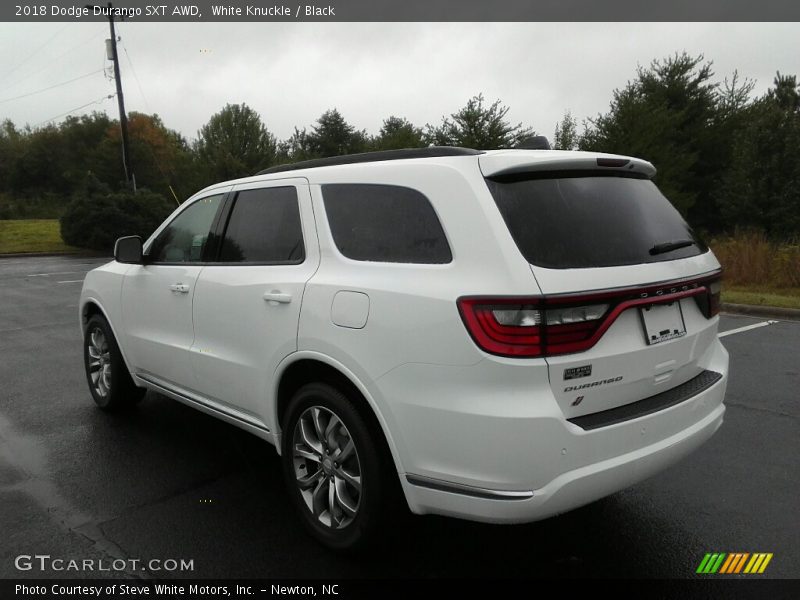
511 327
714 296
709 301
547 326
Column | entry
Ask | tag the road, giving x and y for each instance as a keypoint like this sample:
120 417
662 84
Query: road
168 482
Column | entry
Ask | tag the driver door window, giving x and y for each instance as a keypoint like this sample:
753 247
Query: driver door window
185 238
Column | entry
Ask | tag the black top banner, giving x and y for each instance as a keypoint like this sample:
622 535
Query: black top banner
406 10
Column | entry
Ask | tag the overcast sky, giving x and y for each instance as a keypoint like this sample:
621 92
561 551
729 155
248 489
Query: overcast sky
292 73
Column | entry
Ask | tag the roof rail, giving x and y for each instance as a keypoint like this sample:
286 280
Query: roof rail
383 155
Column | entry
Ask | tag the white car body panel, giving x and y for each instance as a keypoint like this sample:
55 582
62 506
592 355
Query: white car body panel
157 321
240 337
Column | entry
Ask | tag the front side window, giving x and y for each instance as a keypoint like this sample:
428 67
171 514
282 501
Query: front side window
385 223
184 239
264 227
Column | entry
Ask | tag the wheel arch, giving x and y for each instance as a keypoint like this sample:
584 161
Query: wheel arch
307 367
91 307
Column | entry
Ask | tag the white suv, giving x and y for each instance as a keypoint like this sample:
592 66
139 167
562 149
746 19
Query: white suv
498 336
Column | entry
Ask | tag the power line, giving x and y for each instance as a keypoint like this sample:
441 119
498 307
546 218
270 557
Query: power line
49 87
147 105
51 64
98 101
35 52
135 76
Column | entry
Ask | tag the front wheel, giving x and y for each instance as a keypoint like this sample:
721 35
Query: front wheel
109 381
333 463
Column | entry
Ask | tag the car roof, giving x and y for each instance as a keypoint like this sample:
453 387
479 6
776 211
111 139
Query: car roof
491 162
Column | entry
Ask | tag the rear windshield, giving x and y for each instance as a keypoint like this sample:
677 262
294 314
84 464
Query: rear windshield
584 220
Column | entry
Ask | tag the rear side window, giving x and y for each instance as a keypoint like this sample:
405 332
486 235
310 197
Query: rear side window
264 227
584 220
385 223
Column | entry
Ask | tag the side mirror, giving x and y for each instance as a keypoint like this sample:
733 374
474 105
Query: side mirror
128 250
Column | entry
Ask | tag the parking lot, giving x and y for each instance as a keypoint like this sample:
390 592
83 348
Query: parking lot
167 482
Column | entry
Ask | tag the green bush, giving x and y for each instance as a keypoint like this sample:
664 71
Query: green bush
97 218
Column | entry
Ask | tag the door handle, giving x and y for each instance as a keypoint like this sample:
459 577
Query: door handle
181 288
278 297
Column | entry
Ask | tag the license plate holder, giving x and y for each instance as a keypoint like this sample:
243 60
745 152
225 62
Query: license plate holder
662 322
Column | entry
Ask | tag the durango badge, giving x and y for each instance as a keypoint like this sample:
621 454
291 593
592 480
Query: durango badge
573 388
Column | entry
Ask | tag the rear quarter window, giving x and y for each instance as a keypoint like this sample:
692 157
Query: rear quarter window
385 223
585 220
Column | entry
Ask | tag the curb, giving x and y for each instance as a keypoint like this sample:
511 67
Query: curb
773 312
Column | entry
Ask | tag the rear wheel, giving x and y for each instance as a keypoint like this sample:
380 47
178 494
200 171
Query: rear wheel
334 466
109 381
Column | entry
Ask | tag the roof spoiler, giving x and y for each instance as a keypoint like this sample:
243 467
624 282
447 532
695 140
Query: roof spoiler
512 162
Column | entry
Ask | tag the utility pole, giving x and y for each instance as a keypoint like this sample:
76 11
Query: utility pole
130 178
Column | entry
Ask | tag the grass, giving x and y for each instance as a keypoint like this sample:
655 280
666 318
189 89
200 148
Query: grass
780 297
32 235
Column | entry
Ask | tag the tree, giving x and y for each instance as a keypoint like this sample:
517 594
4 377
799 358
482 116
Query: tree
331 136
566 135
40 166
83 142
761 188
9 150
234 143
397 133
785 94
669 116
296 148
734 96
478 126
161 157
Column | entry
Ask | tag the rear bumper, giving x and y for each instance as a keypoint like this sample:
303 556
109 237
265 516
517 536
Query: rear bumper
524 461
569 490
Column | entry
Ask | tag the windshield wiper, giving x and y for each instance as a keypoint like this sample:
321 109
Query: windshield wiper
670 246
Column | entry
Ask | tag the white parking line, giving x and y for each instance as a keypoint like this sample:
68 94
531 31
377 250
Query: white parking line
37 326
72 281
49 274
747 328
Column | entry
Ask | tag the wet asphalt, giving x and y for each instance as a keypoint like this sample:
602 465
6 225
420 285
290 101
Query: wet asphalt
165 481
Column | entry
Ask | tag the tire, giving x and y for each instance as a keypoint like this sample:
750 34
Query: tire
323 490
109 382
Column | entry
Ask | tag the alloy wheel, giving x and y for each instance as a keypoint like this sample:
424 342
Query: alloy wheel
99 362
327 469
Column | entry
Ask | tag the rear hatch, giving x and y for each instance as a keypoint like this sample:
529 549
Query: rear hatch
629 292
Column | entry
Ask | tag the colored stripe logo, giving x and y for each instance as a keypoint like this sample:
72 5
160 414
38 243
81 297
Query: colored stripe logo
734 562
